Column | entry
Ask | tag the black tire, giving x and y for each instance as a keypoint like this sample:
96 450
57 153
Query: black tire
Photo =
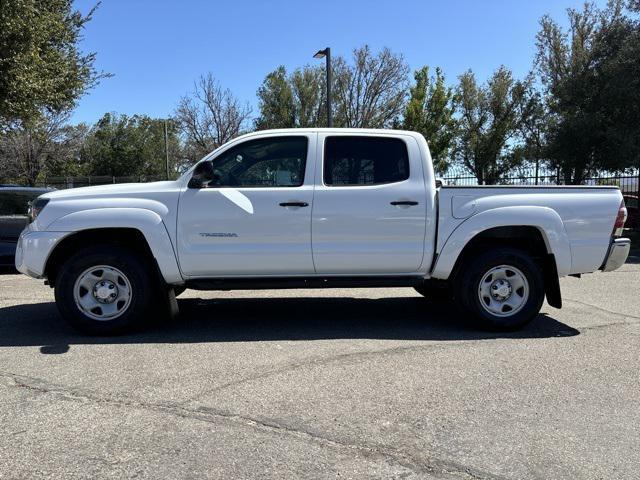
468 286
135 268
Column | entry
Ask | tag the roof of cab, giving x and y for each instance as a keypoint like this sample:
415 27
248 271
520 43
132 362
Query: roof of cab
342 131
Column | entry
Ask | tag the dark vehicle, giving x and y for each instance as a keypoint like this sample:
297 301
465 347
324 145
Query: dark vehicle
14 207
633 219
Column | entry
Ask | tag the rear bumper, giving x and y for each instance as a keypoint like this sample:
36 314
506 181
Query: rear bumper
617 254
33 249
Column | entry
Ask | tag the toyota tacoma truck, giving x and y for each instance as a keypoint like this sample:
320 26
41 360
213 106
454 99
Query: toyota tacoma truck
313 208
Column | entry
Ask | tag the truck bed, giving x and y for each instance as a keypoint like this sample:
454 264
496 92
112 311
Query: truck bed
588 213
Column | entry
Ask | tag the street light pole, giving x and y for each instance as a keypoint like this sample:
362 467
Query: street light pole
326 53
329 116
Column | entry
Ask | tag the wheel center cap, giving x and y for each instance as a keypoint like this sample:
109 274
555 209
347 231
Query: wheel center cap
105 291
501 290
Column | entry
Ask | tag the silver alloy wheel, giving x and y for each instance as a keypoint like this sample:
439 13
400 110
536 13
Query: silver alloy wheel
102 292
503 291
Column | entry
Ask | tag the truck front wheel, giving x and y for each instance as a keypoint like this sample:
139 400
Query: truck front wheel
104 290
503 289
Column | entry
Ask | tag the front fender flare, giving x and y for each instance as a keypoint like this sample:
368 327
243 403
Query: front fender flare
149 223
545 219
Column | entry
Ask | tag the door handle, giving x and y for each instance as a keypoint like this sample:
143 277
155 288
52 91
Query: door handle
404 202
294 204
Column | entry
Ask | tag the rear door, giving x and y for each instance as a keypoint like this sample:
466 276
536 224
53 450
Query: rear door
369 212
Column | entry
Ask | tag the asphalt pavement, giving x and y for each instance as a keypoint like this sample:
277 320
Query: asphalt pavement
365 383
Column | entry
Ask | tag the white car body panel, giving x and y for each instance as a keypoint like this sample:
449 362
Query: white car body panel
38 246
586 215
245 231
149 208
146 221
345 231
357 231
543 218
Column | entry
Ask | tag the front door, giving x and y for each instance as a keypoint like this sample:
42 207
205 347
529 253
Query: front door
254 218
369 212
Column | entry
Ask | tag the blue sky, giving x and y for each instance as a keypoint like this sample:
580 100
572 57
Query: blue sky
156 49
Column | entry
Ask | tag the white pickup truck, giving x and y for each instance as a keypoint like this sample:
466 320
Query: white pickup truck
310 208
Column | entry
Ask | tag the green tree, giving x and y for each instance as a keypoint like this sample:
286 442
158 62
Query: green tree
308 85
490 116
290 101
119 145
66 158
275 100
370 92
41 67
537 123
591 76
43 146
430 111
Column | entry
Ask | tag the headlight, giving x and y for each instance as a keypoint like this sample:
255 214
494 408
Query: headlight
36 206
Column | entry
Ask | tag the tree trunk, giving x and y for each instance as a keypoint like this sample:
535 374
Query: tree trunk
579 176
479 173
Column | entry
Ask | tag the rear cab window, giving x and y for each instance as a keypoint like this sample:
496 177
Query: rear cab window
362 161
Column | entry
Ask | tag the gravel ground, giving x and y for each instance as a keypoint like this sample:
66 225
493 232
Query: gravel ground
366 383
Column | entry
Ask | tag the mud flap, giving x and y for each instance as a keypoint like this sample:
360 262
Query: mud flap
172 310
165 308
552 282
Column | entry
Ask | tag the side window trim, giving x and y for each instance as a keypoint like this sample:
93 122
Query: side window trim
323 157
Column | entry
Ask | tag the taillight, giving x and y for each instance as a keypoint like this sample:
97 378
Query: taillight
620 219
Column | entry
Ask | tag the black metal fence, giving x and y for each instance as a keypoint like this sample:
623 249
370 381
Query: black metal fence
628 182
61 183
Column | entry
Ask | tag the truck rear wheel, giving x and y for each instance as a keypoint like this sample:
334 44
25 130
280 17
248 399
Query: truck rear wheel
104 290
503 289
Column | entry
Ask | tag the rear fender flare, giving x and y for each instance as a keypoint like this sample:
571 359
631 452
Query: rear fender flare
545 219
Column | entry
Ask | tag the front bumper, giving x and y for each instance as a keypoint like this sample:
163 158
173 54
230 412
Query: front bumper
33 250
617 254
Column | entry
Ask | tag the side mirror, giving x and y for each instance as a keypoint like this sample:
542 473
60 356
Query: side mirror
202 175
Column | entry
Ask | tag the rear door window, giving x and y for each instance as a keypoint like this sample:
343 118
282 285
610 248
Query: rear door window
359 160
